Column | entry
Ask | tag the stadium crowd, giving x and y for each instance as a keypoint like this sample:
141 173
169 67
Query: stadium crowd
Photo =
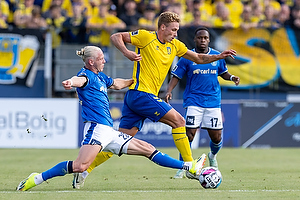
93 21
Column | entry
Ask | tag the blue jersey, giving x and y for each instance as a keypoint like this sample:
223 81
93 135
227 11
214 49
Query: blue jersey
202 87
93 97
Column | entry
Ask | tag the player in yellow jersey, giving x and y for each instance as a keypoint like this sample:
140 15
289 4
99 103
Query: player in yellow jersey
153 56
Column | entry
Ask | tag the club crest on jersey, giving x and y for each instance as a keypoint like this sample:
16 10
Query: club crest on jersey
214 63
169 50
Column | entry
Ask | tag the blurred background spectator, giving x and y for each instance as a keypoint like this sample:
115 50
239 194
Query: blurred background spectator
66 7
205 9
197 20
221 19
130 15
36 21
184 16
100 27
23 13
148 21
55 22
283 16
4 9
257 11
270 19
294 21
296 4
235 9
74 28
248 21
4 12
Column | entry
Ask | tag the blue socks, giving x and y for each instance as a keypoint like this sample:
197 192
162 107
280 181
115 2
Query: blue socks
215 147
165 160
60 169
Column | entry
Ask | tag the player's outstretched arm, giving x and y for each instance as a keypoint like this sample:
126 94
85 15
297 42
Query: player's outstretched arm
120 83
75 81
204 58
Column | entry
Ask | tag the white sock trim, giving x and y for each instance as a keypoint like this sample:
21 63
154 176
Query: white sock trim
38 179
85 174
212 156
187 165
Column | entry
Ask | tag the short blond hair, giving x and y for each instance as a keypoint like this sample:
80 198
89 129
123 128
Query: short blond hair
88 52
167 17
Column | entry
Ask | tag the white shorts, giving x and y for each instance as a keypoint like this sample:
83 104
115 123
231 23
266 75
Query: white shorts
208 118
110 139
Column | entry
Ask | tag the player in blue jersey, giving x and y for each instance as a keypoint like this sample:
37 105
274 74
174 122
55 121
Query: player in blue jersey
91 85
153 57
202 95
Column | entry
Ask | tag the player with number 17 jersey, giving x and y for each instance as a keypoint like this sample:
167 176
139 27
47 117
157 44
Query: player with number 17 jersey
205 91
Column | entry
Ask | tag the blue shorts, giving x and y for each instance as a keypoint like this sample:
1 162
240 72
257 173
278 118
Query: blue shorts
141 105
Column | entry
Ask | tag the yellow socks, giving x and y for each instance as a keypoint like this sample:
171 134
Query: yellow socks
182 143
100 158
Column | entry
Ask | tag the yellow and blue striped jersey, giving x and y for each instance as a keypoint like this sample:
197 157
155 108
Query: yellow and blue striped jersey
157 57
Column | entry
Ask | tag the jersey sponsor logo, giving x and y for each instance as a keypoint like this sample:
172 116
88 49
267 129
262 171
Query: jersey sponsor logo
205 71
134 32
102 89
190 120
169 50
196 71
213 71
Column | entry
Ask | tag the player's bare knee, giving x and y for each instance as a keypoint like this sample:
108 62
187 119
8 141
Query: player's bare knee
216 139
179 122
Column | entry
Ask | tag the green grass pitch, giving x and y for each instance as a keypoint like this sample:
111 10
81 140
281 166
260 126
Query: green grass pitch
247 174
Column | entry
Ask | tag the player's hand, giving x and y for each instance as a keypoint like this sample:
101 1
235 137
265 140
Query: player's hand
236 80
131 55
67 84
227 53
168 96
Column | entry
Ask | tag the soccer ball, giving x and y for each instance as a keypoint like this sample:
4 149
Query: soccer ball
210 178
